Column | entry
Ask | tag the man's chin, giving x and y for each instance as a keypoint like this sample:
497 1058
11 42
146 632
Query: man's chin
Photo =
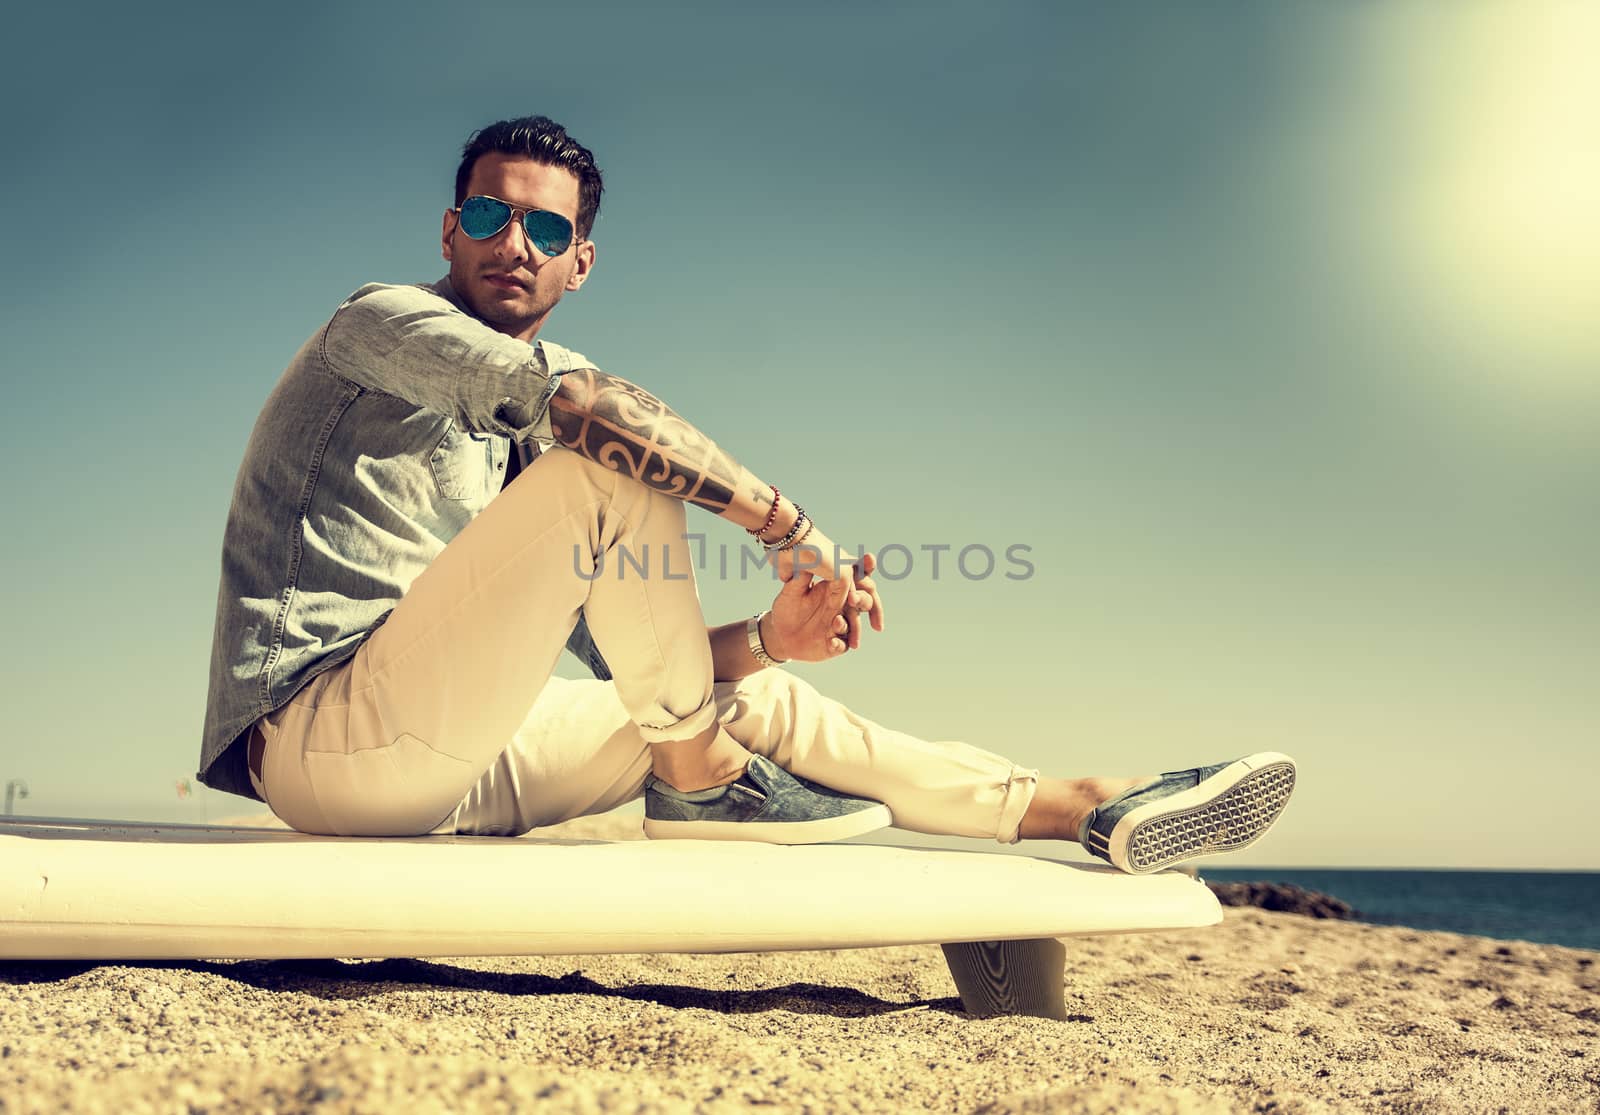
502 309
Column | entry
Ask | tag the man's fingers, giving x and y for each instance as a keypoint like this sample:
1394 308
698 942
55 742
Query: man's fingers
840 598
852 619
866 599
875 609
863 568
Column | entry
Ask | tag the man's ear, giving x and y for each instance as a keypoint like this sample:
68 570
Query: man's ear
582 266
448 232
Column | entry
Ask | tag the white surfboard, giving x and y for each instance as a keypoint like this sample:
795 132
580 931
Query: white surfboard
97 890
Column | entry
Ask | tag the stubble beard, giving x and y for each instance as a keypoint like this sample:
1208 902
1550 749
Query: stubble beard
500 315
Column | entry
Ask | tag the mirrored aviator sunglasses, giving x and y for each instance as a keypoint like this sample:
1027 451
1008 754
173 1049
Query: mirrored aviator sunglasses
483 217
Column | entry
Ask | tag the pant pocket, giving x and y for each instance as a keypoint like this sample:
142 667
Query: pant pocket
404 789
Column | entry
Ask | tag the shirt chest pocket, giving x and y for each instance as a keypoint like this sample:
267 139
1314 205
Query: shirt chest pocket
468 467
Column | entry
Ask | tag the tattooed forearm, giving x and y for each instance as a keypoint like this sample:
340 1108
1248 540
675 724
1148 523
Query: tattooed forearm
625 428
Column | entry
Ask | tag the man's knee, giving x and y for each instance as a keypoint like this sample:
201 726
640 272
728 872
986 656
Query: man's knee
774 695
559 461
561 465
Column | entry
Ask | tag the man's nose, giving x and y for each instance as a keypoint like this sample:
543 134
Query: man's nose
511 243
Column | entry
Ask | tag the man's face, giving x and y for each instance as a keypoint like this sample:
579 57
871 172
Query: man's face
505 280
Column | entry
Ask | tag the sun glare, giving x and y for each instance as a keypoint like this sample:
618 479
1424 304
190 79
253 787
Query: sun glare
1501 213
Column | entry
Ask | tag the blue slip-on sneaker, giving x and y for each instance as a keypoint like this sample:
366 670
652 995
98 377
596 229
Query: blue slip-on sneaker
766 803
1186 814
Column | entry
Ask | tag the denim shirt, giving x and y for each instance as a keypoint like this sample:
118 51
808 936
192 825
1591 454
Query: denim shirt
389 431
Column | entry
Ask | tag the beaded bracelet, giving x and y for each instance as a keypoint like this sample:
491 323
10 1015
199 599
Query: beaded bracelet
788 540
771 515
803 534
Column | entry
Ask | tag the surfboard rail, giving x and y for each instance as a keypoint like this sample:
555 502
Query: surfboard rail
127 890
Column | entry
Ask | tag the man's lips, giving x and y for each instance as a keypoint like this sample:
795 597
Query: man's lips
504 281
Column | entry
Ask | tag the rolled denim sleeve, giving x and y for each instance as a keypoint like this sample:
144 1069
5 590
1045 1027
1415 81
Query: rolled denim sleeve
415 344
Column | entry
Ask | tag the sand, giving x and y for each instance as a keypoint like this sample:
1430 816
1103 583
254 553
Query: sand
1265 1013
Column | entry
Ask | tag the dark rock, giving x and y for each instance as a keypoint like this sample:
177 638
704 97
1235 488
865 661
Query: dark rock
1284 898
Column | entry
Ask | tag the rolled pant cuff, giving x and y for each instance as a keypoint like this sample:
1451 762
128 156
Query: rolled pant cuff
1019 791
695 724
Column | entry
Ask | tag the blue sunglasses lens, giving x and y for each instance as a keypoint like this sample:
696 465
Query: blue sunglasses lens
483 217
549 232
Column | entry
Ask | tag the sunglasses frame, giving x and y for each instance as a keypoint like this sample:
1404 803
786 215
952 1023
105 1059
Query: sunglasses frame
520 214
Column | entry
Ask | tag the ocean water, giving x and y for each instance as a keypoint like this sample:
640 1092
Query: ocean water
1550 907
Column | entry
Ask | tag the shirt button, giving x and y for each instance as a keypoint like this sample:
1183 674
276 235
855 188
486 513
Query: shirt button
499 466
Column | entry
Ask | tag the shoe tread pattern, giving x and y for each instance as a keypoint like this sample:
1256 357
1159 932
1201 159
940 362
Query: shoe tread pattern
1224 824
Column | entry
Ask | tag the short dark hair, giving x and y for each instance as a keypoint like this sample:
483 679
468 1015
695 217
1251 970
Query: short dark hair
544 141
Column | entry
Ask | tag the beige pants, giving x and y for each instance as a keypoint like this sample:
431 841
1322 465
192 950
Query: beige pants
448 719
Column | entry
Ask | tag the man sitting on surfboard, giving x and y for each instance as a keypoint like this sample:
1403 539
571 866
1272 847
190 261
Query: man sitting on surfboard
435 500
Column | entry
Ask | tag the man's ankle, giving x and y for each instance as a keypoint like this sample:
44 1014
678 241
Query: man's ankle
690 765
1059 808
688 783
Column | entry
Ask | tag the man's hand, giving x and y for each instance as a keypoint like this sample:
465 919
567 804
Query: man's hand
814 619
865 599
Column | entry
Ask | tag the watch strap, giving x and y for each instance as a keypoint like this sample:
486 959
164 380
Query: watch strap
757 649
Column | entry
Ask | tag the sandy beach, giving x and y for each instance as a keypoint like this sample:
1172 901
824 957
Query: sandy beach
1267 1012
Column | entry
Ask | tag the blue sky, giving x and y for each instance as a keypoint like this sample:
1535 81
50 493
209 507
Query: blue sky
1268 328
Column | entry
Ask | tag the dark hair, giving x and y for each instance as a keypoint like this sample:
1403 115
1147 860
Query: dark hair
544 141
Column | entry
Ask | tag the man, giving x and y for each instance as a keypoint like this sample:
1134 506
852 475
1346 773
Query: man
402 566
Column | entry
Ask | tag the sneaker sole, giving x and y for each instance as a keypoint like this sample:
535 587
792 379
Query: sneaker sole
1228 811
819 831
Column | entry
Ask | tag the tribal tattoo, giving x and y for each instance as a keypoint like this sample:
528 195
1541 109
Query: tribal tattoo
622 426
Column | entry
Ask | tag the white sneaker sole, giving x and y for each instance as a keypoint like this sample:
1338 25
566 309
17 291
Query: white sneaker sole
819 831
1228 811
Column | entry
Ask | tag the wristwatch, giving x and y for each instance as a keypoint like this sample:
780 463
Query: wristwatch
757 650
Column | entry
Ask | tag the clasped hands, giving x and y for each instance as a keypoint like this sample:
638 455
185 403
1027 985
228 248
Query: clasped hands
815 618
